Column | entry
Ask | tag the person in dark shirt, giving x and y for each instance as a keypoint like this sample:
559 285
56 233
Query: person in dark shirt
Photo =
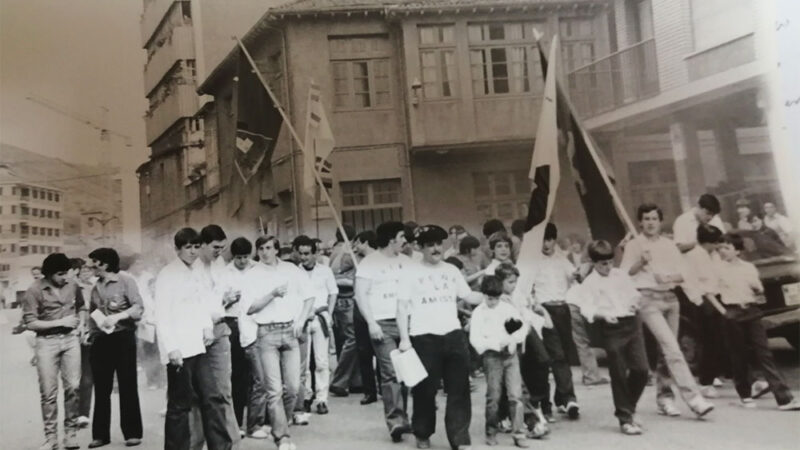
53 308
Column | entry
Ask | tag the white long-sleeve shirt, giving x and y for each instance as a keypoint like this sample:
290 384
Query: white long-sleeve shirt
487 327
666 261
181 306
215 276
614 295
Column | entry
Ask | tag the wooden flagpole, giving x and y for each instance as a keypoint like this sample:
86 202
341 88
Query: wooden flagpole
300 145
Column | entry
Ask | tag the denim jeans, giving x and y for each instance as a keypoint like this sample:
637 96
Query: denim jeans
502 370
627 364
304 351
257 400
394 394
445 358
280 361
59 355
320 344
660 312
346 373
583 346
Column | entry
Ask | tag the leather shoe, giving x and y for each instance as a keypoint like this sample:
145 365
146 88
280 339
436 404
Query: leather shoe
338 392
368 399
98 443
132 442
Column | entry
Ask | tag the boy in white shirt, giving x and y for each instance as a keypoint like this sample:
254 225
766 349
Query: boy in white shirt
609 296
496 330
739 287
500 245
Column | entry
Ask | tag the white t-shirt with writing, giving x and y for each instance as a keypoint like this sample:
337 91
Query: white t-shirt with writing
386 275
434 291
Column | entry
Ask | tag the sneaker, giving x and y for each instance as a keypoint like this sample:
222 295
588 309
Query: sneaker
521 442
631 429
759 388
573 411
717 382
97 443
491 440
423 443
748 403
700 406
322 408
505 426
242 433
595 382
539 431
668 409
398 431
286 444
83 421
259 434
132 442
709 391
793 405
49 446
71 442
549 417
301 418
561 409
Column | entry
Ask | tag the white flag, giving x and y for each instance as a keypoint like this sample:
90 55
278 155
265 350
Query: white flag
319 141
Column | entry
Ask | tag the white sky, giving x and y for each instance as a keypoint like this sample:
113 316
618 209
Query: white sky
82 54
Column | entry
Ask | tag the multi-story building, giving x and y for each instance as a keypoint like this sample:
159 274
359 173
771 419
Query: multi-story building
182 39
679 103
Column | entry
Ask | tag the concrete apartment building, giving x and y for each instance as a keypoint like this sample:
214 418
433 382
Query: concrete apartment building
183 40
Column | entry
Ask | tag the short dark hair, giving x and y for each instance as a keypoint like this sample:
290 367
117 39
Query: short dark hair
107 256
388 231
368 237
410 229
735 240
467 244
492 226
492 286
241 246
499 237
518 227
429 235
455 261
304 241
186 236
76 263
211 233
708 234
645 208
600 250
349 231
505 270
710 203
458 229
264 239
550 232
55 263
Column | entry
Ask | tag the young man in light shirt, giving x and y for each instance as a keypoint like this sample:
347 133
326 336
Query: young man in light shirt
323 284
281 309
427 320
379 278
657 268
185 328
685 226
780 223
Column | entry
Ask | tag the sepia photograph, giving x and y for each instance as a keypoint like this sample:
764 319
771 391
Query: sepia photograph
399 224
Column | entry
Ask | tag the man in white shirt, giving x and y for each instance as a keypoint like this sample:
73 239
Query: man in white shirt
685 226
281 308
379 278
656 266
184 328
323 285
427 319
780 223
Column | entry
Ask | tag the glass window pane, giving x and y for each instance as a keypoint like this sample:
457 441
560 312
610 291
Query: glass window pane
360 69
475 33
427 35
480 182
363 100
497 31
448 33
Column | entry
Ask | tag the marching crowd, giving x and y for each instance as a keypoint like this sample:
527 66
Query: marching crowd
247 330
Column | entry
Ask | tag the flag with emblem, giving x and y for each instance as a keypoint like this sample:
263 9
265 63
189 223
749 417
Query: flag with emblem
251 149
319 142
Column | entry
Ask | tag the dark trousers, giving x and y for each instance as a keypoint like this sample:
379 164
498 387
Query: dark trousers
558 342
110 354
87 382
365 354
712 347
347 372
240 372
535 368
748 341
627 364
446 358
195 377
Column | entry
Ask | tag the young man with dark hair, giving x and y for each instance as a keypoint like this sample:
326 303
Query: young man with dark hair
113 339
685 226
469 253
608 296
340 263
379 278
739 286
185 328
427 320
323 285
657 269
54 309
85 278
500 246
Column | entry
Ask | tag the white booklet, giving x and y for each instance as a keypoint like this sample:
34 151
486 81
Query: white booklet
99 318
407 367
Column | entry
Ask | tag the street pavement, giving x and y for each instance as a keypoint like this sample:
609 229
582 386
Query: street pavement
351 426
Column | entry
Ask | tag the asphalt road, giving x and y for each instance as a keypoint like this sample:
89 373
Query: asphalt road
352 426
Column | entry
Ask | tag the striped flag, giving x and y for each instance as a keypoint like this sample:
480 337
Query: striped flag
319 141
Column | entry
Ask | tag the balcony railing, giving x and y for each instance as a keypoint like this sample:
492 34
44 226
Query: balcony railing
623 77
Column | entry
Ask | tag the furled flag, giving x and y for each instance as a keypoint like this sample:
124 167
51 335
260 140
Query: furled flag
251 150
319 141
544 173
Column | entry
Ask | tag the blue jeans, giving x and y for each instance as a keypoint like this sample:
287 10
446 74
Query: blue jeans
503 369
257 400
280 360
59 354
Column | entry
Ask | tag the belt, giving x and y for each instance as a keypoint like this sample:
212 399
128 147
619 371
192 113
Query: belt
276 325
555 302
661 295
57 331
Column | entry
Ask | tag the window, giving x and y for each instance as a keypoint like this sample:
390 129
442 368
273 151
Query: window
577 42
58 215
1 228
438 61
49 214
25 192
13 228
1 191
361 72
34 249
35 231
50 196
58 232
13 209
502 195
49 231
716 22
367 204
13 190
34 211
57 197
24 210
13 248
655 181
503 58
35 193
1 210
